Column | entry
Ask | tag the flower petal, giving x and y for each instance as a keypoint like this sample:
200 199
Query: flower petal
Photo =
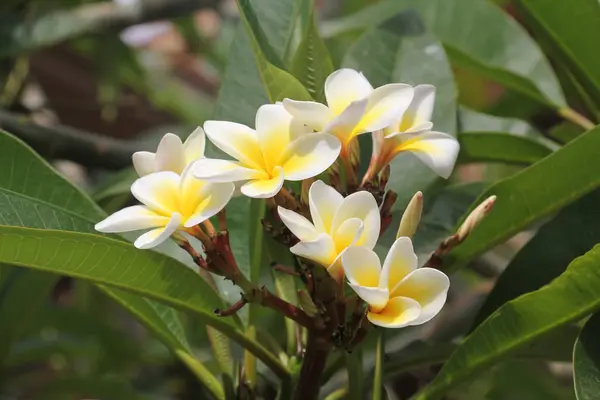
400 261
323 201
343 87
301 227
223 171
398 313
312 114
436 149
375 297
264 188
169 154
157 236
360 205
429 287
321 250
348 234
194 145
386 104
144 162
158 191
309 155
273 127
215 198
361 266
237 140
344 124
420 109
131 219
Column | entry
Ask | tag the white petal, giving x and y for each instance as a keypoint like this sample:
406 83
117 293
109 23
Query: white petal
386 104
375 297
361 266
309 155
237 140
421 107
273 127
348 234
344 124
343 87
361 205
312 114
301 227
169 155
131 219
144 162
223 171
215 198
400 261
323 201
194 145
321 250
429 287
436 149
398 313
157 236
264 188
158 191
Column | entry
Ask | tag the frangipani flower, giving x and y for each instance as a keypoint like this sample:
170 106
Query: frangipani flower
280 149
353 106
337 223
171 202
171 154
398 294
412 132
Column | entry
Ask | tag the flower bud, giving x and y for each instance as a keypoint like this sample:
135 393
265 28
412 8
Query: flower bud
306 303
411 217
475 218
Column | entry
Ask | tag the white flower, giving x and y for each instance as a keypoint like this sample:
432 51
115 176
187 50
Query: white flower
337 223
412 132
398 294
280 149
171 202
353 106
171 154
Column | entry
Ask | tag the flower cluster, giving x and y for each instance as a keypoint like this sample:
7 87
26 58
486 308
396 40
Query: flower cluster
180 190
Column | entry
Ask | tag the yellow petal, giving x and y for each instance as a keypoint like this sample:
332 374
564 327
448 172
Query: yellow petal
169 154
321 250
347 234
400 261
386 104
273 128
361 266
343 87
158 191
237 140
193 147
265 188
157 236
308 156
397 313
131 219
361 205
323 201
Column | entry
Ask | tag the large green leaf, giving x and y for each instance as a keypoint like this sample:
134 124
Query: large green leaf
571 29
499 49
400 51
570 297
575 230
586 360
534 193
500 147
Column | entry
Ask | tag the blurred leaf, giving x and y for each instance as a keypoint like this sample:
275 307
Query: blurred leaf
164 322
575 230
532 194
490 53
565 132
586 360
116 184
354 366
571 29
570 297
399 50
500 147
470 120
60 388
379 367
312 64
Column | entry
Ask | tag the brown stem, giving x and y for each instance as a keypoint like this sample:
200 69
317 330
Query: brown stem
292 312
285 270
317 350
234 308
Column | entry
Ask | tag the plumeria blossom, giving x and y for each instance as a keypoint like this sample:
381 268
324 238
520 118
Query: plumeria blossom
279 149
353 106
412 132
337 223
171 202
398 294
171 154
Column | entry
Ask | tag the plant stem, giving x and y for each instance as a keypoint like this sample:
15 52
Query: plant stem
318 348
578 119
378 377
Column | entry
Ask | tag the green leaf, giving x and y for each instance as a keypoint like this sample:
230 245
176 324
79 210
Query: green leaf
470 120
354 366
312 63
164 322
75 386
571 29
570 297
379 367
586 360
119 264
401 51
500 147
575 230
532 194
489 53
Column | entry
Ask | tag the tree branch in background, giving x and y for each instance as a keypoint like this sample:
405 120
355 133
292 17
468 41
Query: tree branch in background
63 142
